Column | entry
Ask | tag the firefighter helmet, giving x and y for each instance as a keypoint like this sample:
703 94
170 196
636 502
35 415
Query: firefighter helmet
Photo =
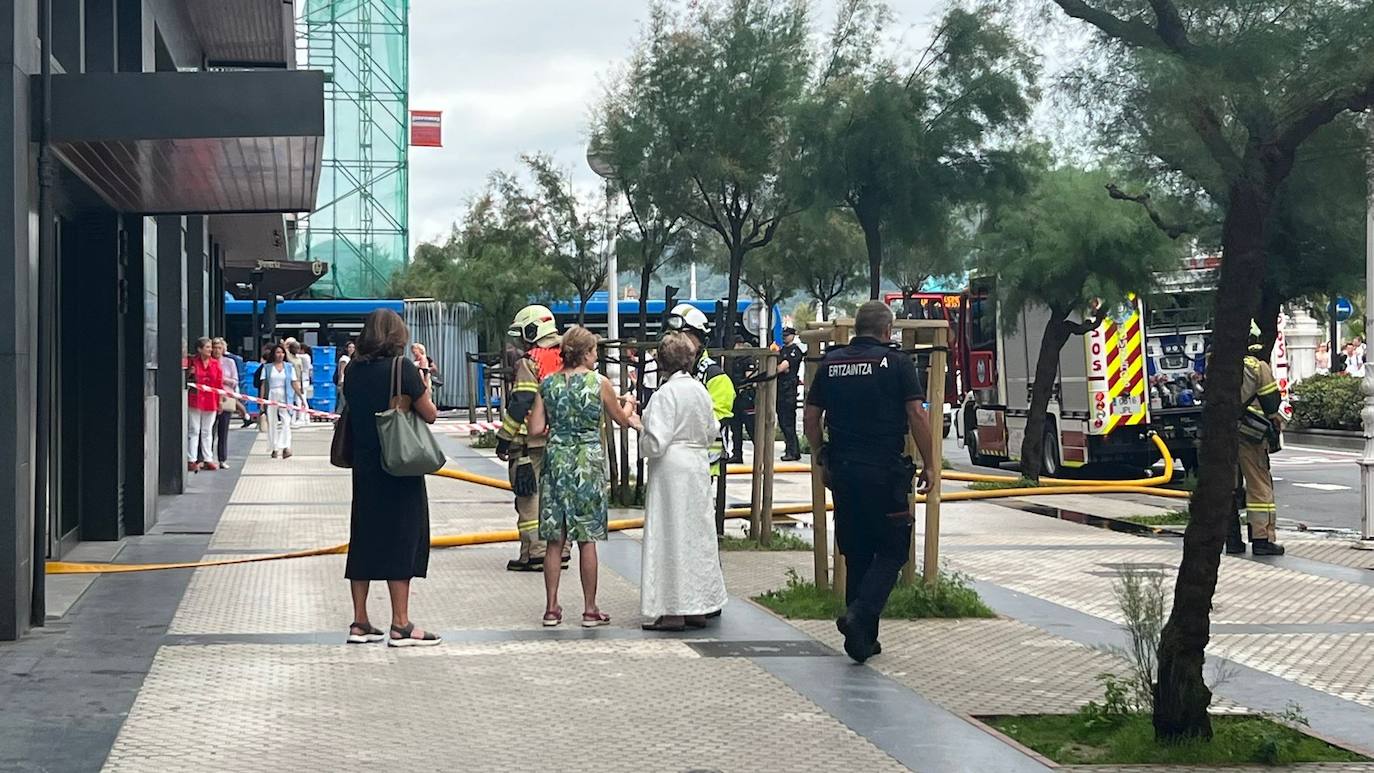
1256 340
685 316
533 323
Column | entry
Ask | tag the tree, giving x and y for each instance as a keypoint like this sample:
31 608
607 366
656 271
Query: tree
720 84
902 145
1067 248
823 250
574 236
942 253
1247 85
640 158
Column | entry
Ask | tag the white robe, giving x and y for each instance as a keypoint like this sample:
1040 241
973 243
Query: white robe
680 563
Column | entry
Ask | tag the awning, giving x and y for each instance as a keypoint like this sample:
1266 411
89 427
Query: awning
193 142
286 278
245 33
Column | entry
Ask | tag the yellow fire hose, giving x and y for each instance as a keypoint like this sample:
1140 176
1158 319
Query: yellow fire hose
1062 486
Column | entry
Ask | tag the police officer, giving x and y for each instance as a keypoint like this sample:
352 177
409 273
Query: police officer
868 397
789 377
1259 429
743 371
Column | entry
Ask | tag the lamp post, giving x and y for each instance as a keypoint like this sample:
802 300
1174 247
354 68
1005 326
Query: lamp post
597 160
1367 413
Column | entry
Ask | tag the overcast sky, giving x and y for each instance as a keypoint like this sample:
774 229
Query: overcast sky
513 76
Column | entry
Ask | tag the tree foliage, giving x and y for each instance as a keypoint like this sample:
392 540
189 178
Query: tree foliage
902 144
1223 94
718 84
822 249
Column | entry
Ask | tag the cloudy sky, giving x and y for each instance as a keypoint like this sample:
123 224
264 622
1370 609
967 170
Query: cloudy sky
513 76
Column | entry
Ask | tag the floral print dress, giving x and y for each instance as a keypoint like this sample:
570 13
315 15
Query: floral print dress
572 487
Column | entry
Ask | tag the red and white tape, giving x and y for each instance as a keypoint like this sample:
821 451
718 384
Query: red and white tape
263 401
467 428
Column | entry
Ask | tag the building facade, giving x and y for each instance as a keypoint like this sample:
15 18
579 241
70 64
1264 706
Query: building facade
161 140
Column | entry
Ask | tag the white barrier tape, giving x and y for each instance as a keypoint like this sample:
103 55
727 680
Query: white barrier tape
467 428
263 401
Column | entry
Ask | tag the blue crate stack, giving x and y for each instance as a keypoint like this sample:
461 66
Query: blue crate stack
246 386
323 359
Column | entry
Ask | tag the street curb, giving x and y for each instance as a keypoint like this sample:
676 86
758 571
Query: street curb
1334 439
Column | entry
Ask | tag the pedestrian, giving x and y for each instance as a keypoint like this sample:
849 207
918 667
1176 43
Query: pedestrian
867 397
1323 359
228 406
680 577
1355 363
573 488
1260 429
389 528
536 330
1338 359
305 365
203 379
420 357
281 385
344 358
743 370
789 378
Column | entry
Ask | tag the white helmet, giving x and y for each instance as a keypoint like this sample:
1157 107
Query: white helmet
685 316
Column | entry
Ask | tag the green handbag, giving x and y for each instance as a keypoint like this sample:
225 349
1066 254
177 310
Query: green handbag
408 447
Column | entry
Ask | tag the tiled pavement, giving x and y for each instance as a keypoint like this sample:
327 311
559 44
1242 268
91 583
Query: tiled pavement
251 673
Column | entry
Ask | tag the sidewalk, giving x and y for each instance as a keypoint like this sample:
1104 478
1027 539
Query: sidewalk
246 668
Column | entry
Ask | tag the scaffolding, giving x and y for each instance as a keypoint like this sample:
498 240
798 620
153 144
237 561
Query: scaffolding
360 226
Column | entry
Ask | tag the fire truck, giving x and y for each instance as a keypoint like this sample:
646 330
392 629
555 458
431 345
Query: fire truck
936 305
1140 370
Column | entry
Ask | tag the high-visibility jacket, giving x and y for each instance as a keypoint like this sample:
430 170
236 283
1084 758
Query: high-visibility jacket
1259 390
529 371
722 391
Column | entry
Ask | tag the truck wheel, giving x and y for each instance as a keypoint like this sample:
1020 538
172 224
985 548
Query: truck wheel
1188 460
944 430
1049 451
971 443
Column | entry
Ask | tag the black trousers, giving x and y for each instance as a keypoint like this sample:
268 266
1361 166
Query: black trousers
787 418
873 531
222 420
739 425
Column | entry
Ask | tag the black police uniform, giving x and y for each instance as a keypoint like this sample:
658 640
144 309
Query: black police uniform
864 388
741 422
787 399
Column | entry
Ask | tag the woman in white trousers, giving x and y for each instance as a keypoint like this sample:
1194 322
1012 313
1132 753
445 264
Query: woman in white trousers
203 379
280 385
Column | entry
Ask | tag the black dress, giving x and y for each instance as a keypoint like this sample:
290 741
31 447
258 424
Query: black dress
389 535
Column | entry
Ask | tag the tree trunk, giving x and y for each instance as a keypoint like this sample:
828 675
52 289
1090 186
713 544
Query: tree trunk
873 241
727 336
581 308
825 310
645 275
1181 694
1042 388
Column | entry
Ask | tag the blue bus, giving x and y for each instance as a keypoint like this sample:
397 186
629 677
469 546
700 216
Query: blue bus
313 322
598 306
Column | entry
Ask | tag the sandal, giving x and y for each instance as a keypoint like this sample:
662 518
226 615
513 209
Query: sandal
658 625
407 637
594 619
364 633
553 617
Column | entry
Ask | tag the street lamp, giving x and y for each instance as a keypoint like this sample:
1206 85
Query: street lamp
1367 413
597 160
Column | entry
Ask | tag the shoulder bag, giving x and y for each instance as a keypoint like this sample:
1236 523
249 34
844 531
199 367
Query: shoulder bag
341 446
408 447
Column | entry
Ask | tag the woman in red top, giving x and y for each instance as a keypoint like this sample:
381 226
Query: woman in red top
202 405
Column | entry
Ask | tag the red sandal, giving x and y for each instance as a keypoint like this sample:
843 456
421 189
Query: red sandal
594 619
553 617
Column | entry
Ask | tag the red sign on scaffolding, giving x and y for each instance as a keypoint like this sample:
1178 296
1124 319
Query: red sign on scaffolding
426 128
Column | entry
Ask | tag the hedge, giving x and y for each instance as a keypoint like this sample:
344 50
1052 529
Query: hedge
1328 402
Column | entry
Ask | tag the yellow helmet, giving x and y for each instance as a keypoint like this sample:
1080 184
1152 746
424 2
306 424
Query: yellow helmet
533 323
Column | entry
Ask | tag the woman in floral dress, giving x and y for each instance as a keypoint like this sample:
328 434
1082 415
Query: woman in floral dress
572 486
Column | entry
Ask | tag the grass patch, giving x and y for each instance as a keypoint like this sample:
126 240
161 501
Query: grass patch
1175 518
951 597
983 485
1184 483
1088 738
782 541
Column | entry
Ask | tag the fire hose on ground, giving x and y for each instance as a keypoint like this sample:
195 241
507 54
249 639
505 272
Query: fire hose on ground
1059 486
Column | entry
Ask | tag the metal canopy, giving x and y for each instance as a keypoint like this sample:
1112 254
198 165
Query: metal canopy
245 33
286 278
193 143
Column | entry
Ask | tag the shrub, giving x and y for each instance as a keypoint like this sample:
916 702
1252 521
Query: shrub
1328 402
487 439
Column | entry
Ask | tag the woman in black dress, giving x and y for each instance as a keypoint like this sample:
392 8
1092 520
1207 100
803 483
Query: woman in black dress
389 536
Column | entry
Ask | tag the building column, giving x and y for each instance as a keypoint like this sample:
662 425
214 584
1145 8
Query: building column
197 250
99 36
171 348
138 259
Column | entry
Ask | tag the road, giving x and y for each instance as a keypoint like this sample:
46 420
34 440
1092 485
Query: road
1314 486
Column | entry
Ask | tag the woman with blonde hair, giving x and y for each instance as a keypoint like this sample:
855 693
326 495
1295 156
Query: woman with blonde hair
680 581
573 489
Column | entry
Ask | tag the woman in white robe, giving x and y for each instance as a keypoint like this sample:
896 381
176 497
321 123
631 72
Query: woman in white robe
680 577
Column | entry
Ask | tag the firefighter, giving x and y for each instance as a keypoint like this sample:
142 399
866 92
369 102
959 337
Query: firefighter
1260 425
868 397
685 316
789 378
536 332
743 371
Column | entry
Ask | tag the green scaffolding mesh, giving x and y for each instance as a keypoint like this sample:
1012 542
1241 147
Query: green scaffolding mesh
361 223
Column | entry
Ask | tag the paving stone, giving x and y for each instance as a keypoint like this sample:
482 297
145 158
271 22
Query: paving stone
581 706
1339 664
